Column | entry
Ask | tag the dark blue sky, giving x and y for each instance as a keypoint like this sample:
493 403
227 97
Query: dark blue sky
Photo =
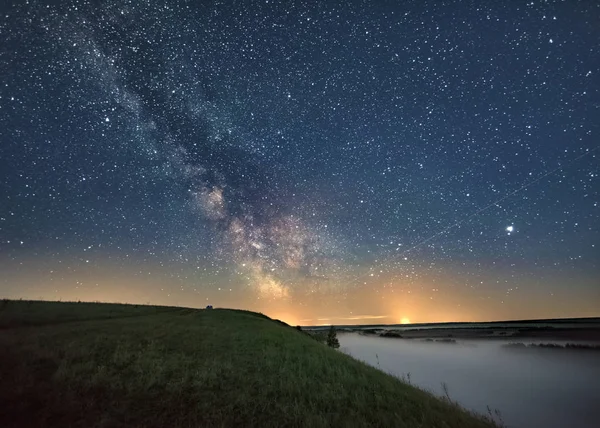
298 151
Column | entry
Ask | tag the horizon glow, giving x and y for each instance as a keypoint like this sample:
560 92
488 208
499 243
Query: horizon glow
339 162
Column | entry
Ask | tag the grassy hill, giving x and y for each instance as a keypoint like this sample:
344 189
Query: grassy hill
105 365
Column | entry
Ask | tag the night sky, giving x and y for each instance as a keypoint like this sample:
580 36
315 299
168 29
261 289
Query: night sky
321 162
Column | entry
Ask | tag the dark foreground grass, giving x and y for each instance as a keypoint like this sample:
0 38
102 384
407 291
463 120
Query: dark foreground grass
29 312
169 367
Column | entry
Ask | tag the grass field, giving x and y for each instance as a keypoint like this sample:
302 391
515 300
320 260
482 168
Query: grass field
104 365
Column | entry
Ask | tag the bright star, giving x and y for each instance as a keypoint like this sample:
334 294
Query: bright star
509 229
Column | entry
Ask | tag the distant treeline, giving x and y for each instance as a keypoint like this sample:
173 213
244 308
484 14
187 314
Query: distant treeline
520 345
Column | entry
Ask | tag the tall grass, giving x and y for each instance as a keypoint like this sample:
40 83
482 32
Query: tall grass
167 367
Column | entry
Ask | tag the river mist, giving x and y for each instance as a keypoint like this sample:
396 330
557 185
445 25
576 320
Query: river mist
530 387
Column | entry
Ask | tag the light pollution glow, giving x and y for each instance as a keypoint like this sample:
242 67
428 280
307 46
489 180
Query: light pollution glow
152 157
376 305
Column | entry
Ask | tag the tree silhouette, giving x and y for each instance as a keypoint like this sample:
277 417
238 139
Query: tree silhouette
332 339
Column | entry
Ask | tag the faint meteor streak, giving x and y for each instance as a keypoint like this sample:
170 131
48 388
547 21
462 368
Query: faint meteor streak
487 207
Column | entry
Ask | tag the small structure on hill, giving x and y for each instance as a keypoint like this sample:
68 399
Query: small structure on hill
208 306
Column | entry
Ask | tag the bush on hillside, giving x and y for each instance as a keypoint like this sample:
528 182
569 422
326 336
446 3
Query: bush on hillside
332 340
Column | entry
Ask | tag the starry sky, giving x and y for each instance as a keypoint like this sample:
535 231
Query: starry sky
321 162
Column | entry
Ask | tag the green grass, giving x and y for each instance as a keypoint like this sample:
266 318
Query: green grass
102 365
30 313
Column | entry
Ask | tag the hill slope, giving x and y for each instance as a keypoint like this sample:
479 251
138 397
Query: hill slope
122 365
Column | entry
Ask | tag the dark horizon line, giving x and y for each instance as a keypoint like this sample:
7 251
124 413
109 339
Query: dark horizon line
510 321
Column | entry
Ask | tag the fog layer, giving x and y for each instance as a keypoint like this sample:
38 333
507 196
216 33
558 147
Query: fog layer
530 387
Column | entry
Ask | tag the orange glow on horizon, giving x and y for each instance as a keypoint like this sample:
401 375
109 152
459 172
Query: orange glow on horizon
429 300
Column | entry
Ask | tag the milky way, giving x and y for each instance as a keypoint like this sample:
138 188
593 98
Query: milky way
296 149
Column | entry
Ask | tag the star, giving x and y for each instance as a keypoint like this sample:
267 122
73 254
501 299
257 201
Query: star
180 151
